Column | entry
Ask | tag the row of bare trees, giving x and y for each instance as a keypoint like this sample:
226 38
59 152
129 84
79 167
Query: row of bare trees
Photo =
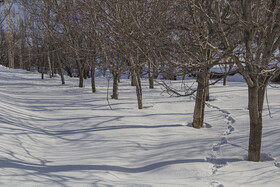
149 37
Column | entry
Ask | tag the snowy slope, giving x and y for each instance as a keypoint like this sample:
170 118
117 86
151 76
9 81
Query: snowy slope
54 135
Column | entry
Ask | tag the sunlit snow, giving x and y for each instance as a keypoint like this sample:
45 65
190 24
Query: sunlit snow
62 135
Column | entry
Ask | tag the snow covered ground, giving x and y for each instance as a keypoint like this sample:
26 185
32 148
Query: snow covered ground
62 135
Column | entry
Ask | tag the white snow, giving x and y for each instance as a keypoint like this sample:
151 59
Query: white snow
62 135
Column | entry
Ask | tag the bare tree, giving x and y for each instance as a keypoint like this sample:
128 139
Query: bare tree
256 57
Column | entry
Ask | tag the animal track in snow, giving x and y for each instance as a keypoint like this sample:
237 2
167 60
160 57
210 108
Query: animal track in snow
218 163
216 184
277 164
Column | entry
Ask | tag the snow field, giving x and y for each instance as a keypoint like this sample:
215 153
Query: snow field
54 135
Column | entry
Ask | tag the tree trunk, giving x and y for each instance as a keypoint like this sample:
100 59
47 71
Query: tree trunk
80 70
43 71
86 72
68 70
133 79
115 85
256 96
207 91
53 65
20 55
50 64
151 81
138 89
11 58
81 74
198 116
29 58
119 80
93 87
21 43
9 35
60 69
81 78
255 124
151 78
225 80
225 77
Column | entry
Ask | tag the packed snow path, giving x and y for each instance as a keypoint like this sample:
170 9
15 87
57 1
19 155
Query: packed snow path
54 135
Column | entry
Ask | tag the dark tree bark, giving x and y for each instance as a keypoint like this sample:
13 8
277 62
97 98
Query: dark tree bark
85 73
42 68
255 125
256 94
151 77
225 77
29 59
50 64
42 72
115 85
198 116
53 65
81 73
207 89
93 87
69 71
133 79
138 89
60 69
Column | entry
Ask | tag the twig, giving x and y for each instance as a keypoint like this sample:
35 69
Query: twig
172 91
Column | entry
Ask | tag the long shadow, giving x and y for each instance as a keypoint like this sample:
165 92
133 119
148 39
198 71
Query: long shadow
109 128
37 130
28 127
41 169
18 128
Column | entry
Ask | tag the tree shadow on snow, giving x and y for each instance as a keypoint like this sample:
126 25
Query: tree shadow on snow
42 169
206 125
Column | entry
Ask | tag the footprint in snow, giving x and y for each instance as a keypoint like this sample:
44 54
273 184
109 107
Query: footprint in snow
216 147
216 184
229 130
223 141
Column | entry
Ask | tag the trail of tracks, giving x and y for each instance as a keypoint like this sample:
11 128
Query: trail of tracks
213 158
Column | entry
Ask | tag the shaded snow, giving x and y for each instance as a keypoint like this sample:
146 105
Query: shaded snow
54 135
